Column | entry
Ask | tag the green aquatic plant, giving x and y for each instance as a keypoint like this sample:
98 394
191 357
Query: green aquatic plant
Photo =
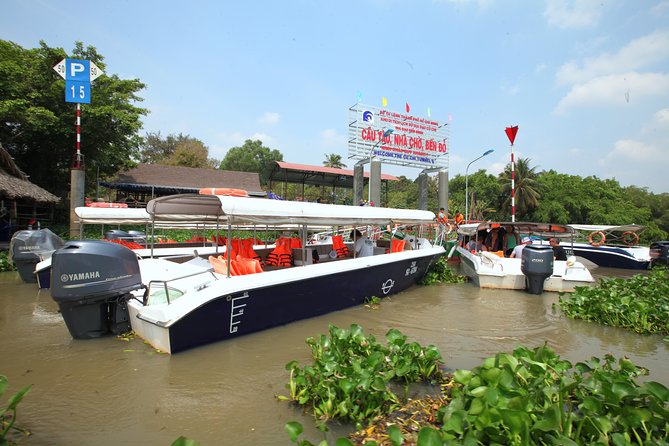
5 263
534 397
639 304
439 272
351 373
8 415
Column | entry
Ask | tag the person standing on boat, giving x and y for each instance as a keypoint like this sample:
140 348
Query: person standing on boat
558 251
442 220
510 240
364 247
518 250
458 218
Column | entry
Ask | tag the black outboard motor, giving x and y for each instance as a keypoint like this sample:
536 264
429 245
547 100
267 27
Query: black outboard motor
659 253
117 234
28 248
91 282
537 264
137 236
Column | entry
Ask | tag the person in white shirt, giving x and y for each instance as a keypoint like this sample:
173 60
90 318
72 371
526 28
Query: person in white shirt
363 245
518 250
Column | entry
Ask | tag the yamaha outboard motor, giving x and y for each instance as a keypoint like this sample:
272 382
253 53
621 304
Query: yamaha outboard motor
28 248
117 234
137 236
659 253
91 282
537 264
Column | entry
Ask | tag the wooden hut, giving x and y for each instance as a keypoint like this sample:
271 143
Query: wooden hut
22 203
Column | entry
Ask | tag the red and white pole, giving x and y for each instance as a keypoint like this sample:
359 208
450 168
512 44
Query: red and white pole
513 187
511 134
77 158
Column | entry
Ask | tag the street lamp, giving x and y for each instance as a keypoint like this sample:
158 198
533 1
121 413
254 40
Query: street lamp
386 134
487 152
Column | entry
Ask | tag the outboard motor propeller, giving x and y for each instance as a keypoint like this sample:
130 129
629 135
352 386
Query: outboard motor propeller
537 264
659 253
91 282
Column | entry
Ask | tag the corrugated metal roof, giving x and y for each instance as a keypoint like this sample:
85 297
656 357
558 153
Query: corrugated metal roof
317 175
173 179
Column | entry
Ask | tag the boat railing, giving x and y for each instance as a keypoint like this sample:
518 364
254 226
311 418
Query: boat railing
161 283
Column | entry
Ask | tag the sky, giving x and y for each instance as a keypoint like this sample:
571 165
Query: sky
586 82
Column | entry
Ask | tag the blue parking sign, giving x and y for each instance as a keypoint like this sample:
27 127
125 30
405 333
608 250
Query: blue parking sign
76 91
77 70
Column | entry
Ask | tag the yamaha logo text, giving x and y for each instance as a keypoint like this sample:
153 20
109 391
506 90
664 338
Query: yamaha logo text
80 276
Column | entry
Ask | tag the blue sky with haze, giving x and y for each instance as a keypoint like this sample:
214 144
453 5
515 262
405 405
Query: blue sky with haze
587 82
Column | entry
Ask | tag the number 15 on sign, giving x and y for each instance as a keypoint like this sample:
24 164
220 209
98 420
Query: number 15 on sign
76 91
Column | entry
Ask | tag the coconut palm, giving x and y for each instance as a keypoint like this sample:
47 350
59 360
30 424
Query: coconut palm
333 160
527 188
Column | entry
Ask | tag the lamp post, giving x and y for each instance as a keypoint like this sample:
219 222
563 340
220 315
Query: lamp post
386 133
487 152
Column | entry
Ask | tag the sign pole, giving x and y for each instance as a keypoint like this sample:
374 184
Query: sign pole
511 134
78 75
77 160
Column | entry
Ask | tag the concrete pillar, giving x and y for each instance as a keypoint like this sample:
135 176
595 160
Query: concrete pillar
77 192
358 182
422 190
443 189
375 181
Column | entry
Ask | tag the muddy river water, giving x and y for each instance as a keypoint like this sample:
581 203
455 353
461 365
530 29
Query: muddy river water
110 392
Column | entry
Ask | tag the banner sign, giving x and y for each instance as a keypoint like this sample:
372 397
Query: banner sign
397 138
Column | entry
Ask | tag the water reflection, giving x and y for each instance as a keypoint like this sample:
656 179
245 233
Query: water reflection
109 392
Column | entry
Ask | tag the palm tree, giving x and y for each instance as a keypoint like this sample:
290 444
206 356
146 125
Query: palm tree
527 189
333 160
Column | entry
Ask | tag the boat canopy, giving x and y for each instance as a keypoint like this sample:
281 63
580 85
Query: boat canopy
238 210
112 216
606 228
556 230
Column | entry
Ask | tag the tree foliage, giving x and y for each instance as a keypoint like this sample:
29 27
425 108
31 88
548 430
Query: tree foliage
334 161
38 126
252 157
176 150
527 192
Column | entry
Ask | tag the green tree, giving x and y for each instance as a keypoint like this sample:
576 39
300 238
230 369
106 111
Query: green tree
527 192
252 157
38 125
176 150
334 161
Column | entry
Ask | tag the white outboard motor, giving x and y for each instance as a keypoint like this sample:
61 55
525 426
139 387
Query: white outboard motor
91 281
537 264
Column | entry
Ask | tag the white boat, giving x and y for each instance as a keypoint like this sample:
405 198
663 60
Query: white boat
103 287
610 246
542 271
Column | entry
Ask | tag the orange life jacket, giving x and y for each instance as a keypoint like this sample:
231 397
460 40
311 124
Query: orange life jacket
339 246
397 245
281 255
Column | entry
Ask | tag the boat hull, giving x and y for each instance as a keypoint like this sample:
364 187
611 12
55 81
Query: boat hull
505 273
253 309
612 256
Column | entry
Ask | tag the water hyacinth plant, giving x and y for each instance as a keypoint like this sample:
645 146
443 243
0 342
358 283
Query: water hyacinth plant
640 303
534 397
439 272
351 373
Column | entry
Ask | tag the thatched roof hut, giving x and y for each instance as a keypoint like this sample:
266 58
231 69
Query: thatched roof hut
14 184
